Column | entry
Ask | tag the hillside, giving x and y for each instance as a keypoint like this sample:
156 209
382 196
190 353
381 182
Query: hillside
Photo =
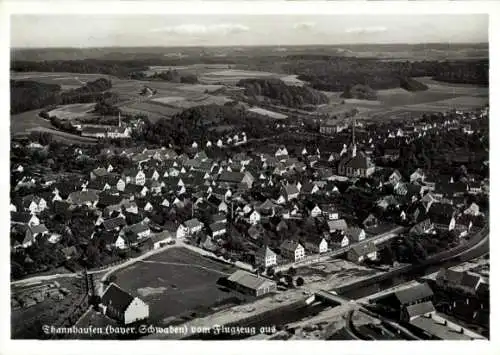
410 84
29 95
360 92
277 90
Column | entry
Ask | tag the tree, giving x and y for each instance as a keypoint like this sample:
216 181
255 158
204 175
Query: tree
299 281
292 271
289 280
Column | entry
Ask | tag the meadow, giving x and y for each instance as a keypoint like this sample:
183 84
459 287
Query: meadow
177 282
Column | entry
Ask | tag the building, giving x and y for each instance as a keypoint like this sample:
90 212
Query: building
337 225
361 252
248 283
217 229
236 178
356 165
355 234
87 198
265 257
189 227
118 304
316 244
136 231
293 250
464 281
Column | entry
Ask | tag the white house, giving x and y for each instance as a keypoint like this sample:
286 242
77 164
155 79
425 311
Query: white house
265 257
316 244
293 250
217 229
118 304
316 211
254 217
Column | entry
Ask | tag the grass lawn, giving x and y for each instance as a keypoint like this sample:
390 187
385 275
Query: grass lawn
177 282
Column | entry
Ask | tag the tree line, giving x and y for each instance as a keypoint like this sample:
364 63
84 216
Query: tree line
287 95
29 95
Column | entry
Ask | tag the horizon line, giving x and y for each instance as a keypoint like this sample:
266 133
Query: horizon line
252 45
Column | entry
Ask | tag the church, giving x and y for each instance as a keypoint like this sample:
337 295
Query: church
354 163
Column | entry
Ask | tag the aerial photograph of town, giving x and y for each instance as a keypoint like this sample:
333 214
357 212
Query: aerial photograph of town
249 177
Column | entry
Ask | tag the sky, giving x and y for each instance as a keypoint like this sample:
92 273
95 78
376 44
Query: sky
242 30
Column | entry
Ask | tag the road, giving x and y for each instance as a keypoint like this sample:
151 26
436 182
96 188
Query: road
377 239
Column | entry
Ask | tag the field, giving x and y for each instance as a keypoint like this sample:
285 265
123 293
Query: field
26 323
232 76
176 283
67 81
27 122
69 112
398 103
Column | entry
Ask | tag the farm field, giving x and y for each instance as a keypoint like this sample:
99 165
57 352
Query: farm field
68 112
27 122
232 76
152 110
24 122
177 282
67 81
398 103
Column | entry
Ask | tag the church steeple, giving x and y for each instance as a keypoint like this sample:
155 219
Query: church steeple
353 143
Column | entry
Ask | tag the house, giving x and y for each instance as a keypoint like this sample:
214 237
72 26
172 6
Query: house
370 221
424 227
293 250
316 211
29 234
217 229
330 212
98 173
135 232
410 296
256 231
475 188
24 218
465 281
114 223
134 176
265 257
236 178
281 152
87 198
417 310
189 227
391 154
254 217
337 225
248 283
118 304
442 215
355 234
339 240
417 176
316 244
473 210
288 193
395 177
70 252
361 252
34 204
309 189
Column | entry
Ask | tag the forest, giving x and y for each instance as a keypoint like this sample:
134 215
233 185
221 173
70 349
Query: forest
29 95
323 72
286 95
